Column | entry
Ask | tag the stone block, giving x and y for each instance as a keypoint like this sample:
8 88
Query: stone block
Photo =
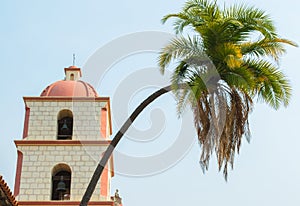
49 158
53 104
32 197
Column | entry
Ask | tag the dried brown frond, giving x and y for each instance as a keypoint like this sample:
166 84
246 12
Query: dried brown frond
221 120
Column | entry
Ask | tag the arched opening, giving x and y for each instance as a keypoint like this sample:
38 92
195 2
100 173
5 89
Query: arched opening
72 77
64 125
61 182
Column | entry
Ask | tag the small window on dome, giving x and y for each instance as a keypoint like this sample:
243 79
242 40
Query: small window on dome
72 77
64 125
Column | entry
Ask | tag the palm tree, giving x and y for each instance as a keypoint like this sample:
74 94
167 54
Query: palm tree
243 49
230 61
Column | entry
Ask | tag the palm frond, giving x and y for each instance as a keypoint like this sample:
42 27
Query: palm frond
180 48
252 18
241 78
203 8
221 120
273 48
182 20
272 86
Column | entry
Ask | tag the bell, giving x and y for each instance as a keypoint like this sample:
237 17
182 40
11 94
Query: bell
65 126
61 186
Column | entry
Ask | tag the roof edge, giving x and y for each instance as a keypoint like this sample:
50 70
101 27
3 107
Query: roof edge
7 192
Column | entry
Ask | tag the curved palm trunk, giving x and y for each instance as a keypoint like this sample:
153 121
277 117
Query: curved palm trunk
98 171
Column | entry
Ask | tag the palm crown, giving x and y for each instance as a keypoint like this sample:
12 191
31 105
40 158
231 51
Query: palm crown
231 59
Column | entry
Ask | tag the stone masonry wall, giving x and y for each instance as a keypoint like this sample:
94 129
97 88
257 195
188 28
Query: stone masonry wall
44 114
38 162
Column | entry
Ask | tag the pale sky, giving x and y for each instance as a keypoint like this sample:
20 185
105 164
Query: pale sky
38 39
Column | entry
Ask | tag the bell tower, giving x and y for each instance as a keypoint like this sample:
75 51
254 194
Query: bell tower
66 130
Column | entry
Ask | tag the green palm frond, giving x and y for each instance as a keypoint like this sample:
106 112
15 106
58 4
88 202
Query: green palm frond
183 20
273 48
196 13
183 98
180 48
252 18
166 17
203 8
241 78
226 54
272 86
198 4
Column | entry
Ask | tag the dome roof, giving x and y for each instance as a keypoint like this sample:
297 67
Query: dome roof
70 87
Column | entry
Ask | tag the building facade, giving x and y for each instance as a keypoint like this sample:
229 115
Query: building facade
66 131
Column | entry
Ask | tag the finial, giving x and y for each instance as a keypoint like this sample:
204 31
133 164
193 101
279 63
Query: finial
73 59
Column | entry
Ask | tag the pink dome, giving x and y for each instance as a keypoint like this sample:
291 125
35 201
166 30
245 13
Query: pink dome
67 88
